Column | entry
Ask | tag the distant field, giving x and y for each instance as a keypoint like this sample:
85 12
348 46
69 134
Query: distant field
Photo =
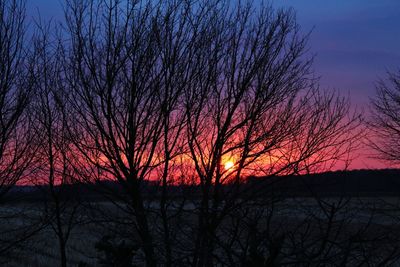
42 248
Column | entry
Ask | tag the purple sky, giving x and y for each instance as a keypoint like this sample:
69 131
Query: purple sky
355 42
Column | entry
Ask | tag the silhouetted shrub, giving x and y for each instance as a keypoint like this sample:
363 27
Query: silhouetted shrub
116 253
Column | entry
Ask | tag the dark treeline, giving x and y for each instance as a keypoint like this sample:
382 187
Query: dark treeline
352 183
160 96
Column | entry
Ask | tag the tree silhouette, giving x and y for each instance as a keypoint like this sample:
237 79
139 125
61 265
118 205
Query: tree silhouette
50 117
17 148
202 124
385 120
15 91
167 91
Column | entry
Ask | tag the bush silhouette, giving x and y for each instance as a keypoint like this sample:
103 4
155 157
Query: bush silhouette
116 253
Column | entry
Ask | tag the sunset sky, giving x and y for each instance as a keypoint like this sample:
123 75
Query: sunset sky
355 42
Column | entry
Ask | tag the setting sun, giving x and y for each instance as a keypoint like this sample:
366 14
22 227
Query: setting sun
228 165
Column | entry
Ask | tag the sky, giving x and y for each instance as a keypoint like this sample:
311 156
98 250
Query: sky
355 42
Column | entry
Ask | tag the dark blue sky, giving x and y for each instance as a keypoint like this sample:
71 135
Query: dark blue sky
355 41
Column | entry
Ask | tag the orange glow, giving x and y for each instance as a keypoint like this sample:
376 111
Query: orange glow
229 165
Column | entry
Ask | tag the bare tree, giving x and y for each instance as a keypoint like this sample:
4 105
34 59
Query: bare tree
128 67
255 103
384 126
15 91
172 89
386 119
55 173
16 140
179 103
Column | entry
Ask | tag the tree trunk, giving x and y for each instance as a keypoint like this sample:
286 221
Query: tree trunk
144 231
